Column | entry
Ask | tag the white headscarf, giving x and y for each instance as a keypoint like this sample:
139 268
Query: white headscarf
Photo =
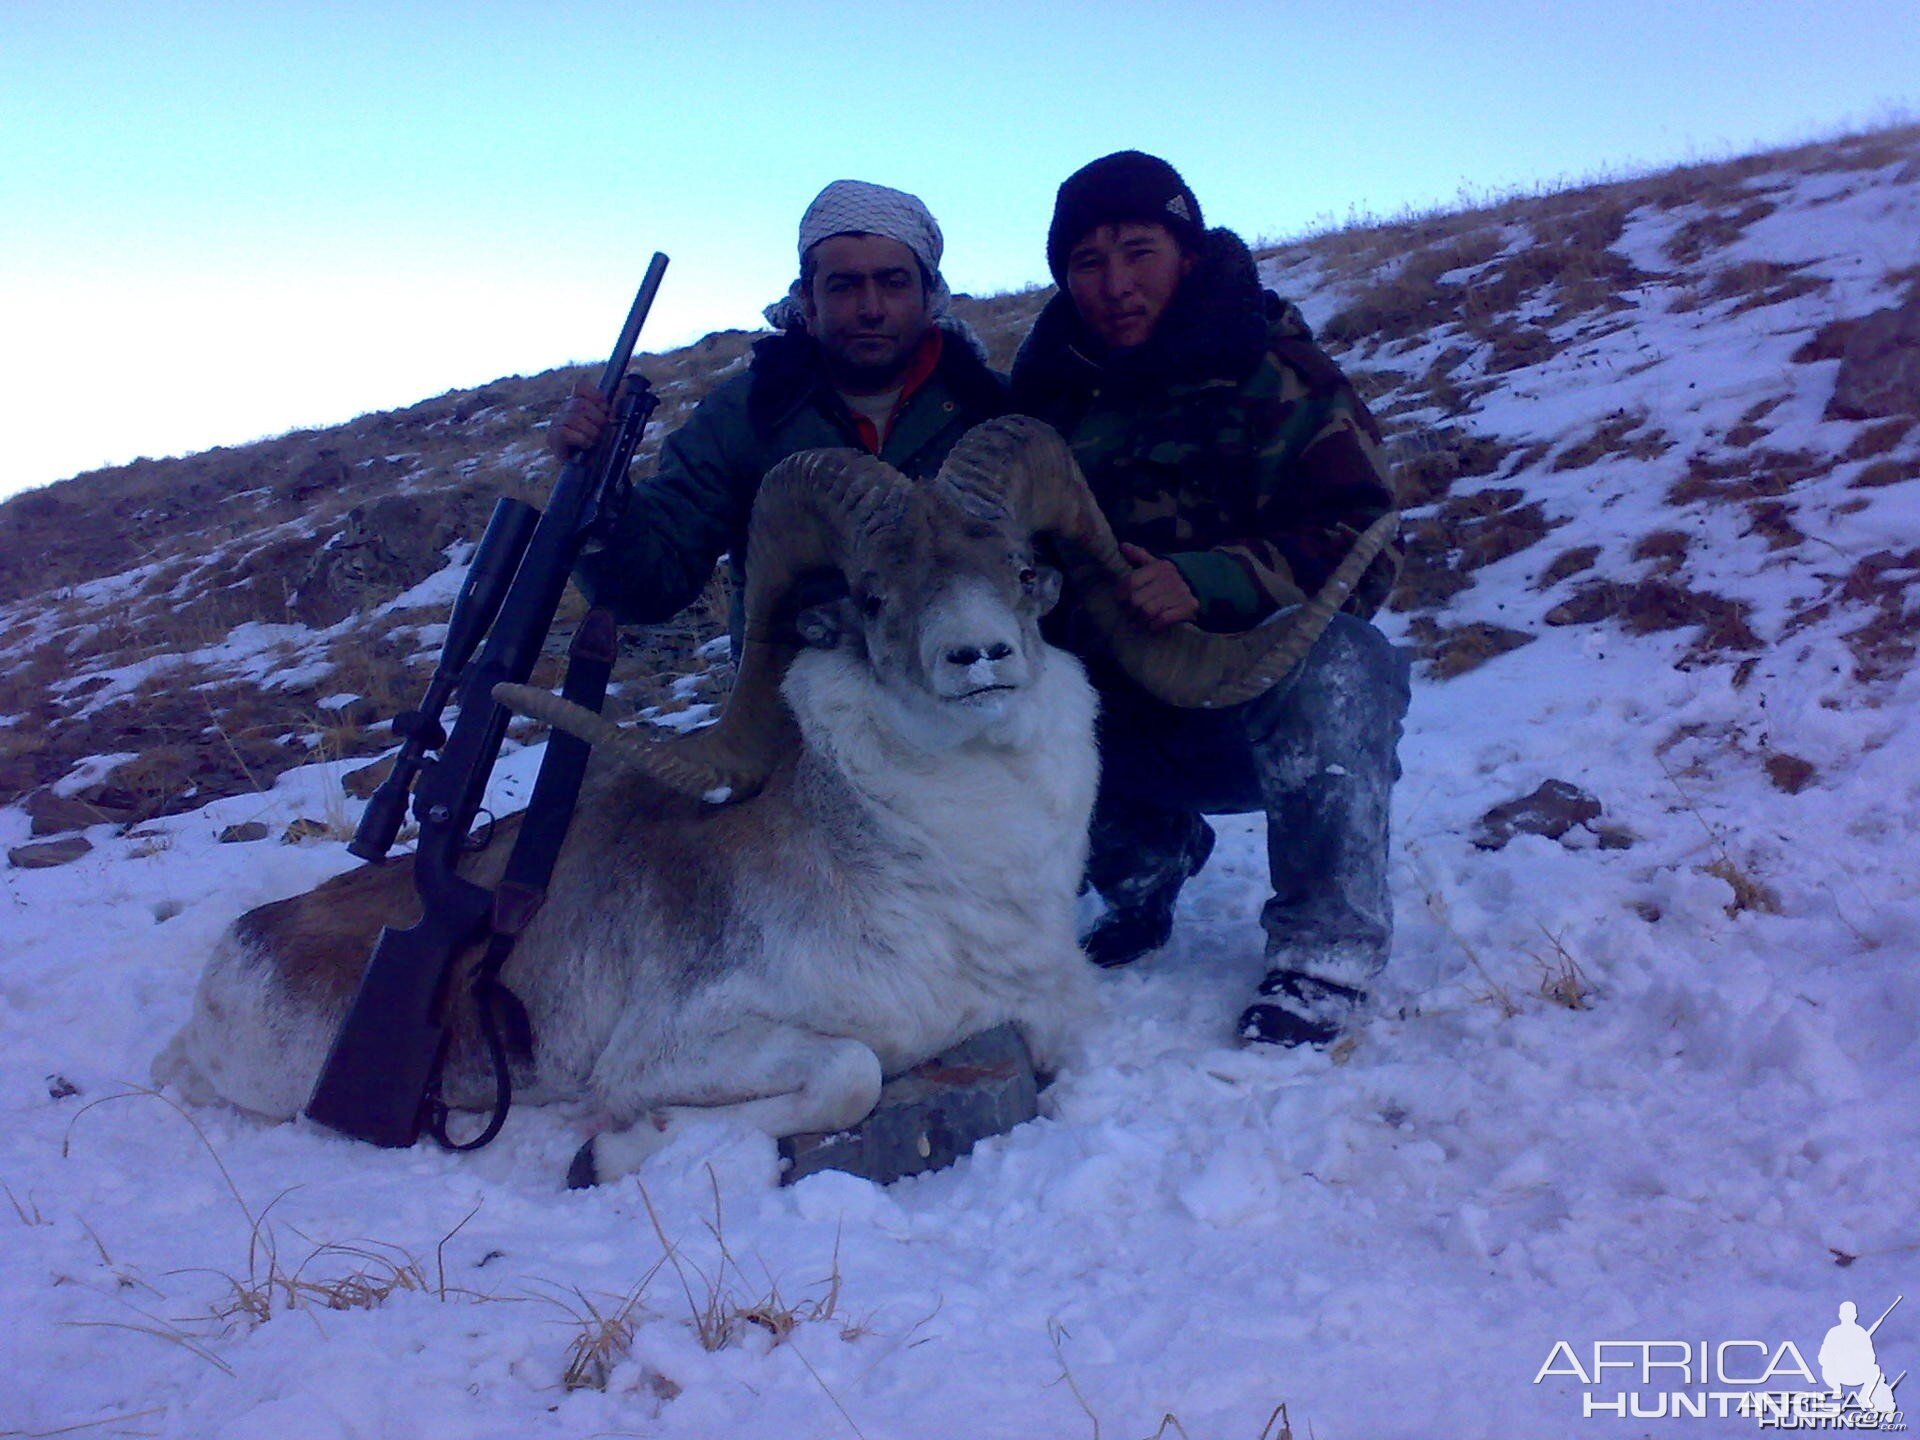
849 207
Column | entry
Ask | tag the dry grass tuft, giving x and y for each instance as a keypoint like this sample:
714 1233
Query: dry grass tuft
1877 439
1436 902
1757 474
1623 435
1279 1425
1789 772
604 1336
1748 430
28 1210
374 1272
1561 979
1454 650
1886 472
1773 521
725 1306
1715 230
1466 533
1753 284
1646 607
1882 583
330 1275
1667 549
1427 463
1566 564
1749 892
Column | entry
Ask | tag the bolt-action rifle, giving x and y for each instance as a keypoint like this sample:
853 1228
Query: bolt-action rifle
380 1081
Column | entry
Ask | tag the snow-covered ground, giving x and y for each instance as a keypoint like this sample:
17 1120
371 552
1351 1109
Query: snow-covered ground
1720 1144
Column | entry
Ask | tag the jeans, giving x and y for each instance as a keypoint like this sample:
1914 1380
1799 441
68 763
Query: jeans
1315 754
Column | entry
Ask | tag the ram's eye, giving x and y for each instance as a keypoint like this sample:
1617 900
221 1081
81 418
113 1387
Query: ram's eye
870 606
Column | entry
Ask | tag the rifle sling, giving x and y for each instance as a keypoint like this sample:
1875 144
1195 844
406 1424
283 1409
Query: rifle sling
523 886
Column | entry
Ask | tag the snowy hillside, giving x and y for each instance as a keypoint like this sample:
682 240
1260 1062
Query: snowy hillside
1655 1080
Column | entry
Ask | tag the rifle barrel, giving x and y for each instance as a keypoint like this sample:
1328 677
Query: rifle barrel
391 1042
616 370
1884 1313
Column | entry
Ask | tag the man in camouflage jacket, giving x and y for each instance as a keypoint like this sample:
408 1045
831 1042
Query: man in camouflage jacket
1236 465
865 354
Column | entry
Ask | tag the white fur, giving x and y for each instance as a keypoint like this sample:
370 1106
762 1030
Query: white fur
986 839
249 1042
909 883
978 824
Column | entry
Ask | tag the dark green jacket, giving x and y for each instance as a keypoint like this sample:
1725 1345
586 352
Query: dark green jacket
695 506
1230 442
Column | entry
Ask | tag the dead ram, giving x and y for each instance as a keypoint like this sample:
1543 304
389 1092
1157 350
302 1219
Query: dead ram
911 769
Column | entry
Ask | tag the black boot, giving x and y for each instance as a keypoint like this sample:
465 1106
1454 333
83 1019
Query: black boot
1297 1009
1127 932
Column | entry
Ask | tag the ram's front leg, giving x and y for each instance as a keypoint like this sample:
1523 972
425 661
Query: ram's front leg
776 1078
1060 1011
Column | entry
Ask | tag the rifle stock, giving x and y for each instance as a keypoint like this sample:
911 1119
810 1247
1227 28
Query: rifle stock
394 1039
389 1048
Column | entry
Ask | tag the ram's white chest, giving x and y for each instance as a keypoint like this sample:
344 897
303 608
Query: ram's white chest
1018 791
979 845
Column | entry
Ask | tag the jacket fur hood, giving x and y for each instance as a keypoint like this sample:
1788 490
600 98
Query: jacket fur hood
1217 326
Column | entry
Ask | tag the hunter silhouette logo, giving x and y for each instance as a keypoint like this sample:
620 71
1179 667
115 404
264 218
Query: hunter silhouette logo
1767 1382
1848 1361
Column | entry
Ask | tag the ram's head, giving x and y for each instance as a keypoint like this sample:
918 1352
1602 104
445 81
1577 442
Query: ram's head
940 586
938 593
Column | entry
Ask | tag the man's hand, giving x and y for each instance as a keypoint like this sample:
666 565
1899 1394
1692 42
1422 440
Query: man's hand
1156 592
578 422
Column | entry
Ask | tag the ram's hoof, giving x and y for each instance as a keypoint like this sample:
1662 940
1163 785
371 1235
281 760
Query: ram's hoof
583 1174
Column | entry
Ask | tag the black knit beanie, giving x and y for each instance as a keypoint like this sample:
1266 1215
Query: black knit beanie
1126 185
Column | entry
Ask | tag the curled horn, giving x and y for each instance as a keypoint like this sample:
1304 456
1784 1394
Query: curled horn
813 509
1025 466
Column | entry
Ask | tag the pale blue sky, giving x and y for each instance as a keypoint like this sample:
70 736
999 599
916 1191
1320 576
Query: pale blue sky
224 220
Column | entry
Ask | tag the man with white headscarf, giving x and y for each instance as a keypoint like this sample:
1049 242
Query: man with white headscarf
864 354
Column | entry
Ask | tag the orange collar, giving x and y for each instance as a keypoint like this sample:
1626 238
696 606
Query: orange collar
926 359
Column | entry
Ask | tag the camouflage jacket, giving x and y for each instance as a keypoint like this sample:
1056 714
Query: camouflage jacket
694 508
1230 442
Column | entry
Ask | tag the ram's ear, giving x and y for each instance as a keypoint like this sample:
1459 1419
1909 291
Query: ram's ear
1046 587
818 609
822 626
